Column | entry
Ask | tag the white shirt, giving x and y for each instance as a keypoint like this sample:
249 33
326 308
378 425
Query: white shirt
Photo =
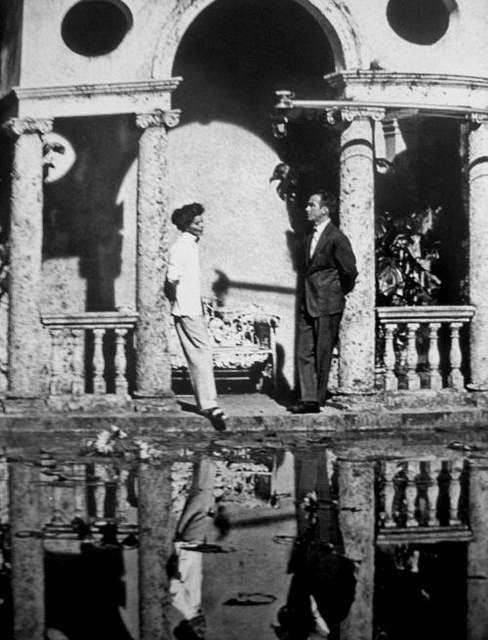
184 269
319 228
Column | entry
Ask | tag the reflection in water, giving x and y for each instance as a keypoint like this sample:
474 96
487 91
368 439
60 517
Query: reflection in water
246 520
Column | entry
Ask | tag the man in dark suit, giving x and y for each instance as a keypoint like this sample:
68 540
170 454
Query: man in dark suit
329 275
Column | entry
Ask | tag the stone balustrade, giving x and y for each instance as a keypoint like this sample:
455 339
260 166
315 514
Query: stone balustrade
89 353
421 496
422 347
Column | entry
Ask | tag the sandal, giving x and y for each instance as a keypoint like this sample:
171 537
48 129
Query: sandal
216 416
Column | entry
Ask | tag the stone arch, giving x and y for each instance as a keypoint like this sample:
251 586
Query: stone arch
348 45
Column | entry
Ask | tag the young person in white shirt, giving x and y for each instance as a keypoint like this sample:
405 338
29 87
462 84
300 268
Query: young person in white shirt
184 291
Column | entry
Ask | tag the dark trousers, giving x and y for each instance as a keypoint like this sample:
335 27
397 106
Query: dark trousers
316 339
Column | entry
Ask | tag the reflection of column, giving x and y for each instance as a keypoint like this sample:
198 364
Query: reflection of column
357 334
478 253
156 536
25 256
477 571
27 552
153 368
357 526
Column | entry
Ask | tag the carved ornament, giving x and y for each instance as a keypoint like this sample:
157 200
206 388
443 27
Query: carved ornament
18 126
158 118
348 114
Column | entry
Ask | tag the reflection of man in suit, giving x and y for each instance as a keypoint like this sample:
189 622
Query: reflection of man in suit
329 274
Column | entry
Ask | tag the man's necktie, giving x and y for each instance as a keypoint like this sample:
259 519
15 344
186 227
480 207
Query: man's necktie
313 242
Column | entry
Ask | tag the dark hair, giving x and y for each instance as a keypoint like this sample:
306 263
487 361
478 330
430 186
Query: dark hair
327 199
183 217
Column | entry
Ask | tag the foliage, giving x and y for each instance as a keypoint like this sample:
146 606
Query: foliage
406 252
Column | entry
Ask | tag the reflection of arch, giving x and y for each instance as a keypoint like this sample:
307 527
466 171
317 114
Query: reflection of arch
349 48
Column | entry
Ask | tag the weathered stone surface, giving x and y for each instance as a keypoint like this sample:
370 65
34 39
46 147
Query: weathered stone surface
478 253
356 365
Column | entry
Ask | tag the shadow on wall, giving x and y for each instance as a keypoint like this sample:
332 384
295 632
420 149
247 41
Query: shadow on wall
82 214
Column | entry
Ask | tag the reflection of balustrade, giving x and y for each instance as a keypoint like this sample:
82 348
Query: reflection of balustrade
420 496
422 346
4 494
89 352
243 343
96 493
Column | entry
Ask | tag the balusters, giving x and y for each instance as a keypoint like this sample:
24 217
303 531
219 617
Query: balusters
4 499
413 379
411 491
100 479
390 470
434 468
434 358
122 496
99 385
121 386
456 379
77 358
455 491
79 489
414 510
56 363
391 381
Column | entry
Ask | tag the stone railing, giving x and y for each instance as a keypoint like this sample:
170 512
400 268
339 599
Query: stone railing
424 497
243 344
89 353
421 347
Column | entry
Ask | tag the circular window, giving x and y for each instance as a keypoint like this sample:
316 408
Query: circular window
96 27
418 21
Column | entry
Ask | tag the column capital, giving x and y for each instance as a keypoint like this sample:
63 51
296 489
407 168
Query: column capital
476 119
348 114
158 118
16 127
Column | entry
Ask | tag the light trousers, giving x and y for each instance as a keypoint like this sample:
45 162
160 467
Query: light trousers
195 342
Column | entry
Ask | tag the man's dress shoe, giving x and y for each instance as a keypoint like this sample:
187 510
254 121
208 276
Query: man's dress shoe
305 407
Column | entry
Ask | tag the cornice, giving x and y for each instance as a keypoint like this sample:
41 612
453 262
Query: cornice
105 98
383 77
103 89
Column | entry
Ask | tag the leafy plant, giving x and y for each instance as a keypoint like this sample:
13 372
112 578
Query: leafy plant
406 252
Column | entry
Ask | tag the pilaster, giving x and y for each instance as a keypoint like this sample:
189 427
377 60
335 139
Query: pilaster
357 526
357 215
153 368
478 251
25 256
156 537
27 552
477 565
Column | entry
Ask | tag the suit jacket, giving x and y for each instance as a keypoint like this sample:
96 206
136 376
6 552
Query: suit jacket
330 274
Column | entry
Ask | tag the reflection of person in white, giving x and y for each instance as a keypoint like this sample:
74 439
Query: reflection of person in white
194 525
183 290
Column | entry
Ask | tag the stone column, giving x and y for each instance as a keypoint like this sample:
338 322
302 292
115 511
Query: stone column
478 253
153 368
27 552
357 526
477 569
24 365
156 536
357 219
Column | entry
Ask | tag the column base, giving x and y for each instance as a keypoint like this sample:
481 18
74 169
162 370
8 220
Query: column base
23 405
144 403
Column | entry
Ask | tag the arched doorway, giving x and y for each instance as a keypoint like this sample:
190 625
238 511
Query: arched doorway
233 57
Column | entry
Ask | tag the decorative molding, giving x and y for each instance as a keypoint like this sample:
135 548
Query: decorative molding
477 119
339 80
158 118
88 90
348 114
16 127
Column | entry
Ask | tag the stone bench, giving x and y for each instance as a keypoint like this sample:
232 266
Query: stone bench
243 345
